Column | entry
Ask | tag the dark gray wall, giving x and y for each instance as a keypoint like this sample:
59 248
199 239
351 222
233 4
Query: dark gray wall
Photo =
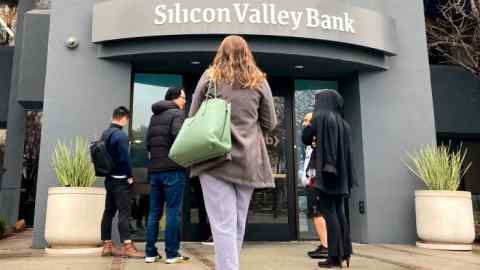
81 92
31 79
396 116
349 87
456 97
6 58
11 181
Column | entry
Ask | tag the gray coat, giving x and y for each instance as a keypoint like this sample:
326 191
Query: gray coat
253 114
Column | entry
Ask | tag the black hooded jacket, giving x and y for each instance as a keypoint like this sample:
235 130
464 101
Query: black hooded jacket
335 173
165 123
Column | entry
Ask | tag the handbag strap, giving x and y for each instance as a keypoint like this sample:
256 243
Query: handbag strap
211 83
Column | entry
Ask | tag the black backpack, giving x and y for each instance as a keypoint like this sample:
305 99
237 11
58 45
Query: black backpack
101 158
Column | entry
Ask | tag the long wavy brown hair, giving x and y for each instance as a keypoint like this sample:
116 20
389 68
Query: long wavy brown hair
234 64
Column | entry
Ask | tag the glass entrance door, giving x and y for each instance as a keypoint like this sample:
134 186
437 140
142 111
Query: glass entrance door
270 213
147 89
304 101
278 214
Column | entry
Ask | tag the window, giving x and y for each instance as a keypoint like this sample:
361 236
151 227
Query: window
147 89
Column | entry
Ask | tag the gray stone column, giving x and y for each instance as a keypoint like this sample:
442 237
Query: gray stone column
11 180
396 114
81 92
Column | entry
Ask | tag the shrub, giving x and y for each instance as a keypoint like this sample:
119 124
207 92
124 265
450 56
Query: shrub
439 167
73 165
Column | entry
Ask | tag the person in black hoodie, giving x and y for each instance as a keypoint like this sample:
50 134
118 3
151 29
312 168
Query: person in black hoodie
166 178
334 172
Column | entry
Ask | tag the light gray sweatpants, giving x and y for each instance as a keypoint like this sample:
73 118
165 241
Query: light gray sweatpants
227 208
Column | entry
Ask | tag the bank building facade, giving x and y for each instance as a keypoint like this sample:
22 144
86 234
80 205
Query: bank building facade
93 56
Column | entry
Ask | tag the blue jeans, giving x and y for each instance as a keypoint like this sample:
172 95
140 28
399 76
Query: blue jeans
165 188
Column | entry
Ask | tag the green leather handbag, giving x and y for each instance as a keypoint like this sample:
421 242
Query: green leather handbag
206 135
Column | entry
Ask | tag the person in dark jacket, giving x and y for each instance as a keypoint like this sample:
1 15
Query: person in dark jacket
335 174
166 178
118 185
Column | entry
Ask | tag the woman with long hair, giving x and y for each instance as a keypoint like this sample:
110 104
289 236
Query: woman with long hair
228 183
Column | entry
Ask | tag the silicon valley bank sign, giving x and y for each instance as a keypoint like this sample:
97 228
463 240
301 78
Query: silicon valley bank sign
260 14
322 20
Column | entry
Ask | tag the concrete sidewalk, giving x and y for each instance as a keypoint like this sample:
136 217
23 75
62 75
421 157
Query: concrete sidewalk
291 255
15 254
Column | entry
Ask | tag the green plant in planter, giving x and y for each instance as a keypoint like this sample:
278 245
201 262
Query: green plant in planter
72 164
439 167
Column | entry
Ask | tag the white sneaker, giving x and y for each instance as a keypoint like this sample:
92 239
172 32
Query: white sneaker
208 242
152 259
179 259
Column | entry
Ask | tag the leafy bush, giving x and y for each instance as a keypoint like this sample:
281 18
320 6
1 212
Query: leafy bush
3 228
439 167
73 165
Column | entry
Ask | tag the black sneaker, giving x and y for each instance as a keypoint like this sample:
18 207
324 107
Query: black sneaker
320 253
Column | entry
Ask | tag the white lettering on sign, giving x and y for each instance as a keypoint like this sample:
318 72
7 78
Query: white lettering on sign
267 14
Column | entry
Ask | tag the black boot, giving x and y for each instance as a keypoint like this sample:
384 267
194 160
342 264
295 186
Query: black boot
330 262
347 259
320 253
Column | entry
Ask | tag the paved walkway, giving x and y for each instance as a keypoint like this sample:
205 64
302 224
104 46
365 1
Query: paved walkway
15 254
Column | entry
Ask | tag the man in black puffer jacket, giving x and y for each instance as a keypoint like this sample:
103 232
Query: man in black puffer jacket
166 178
165 123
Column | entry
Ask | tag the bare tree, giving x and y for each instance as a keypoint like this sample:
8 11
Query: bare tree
8 18
454 35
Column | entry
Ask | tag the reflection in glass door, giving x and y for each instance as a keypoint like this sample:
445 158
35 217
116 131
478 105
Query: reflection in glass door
269 206
273 213
269 217
305 91
147 89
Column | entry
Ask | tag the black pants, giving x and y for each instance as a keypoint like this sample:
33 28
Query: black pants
338 231
140 209
312 203
118 199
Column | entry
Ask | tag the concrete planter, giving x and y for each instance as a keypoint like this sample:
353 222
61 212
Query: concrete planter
444 219
73 219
